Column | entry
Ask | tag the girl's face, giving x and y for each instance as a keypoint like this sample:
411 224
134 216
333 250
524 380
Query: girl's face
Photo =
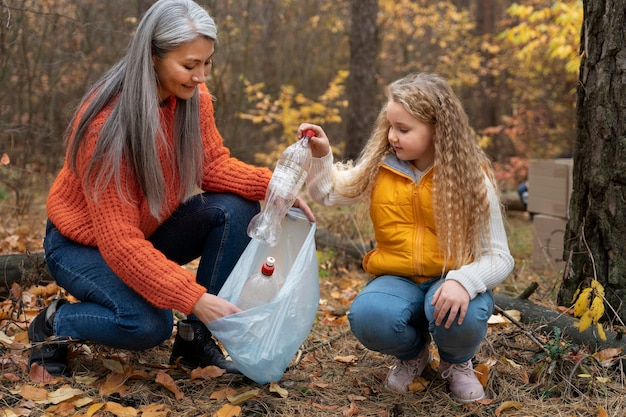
182 69
411 139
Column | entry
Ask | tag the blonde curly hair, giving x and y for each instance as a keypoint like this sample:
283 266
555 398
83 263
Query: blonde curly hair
460 200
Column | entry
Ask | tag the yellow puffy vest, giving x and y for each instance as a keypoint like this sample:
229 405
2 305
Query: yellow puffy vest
402 215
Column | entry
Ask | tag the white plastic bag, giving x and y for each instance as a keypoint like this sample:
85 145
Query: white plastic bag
262 340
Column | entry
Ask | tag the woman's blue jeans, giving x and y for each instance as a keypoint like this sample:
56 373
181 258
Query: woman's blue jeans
210 225
393 315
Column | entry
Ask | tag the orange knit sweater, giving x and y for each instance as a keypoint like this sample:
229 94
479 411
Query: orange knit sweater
119 229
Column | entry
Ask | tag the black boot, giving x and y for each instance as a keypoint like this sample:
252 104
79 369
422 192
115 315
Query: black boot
50 355
195 347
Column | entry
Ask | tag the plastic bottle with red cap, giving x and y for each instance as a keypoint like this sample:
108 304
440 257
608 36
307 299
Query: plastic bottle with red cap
287 180
261 287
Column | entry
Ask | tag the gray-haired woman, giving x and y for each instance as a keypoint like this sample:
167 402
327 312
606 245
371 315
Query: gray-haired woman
124 213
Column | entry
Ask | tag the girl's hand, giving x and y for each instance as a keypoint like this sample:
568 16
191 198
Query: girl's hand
320 146
302 205
210 307
451 299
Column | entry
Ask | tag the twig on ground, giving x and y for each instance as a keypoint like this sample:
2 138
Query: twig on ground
518 324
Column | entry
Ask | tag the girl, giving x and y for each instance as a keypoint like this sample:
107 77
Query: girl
441 243
124 212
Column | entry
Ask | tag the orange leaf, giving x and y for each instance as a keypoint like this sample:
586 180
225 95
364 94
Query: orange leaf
602 412
93 409
352 410
419 384
166 381
119 410
39 374
113 383
155 410
208 372
346 359
223 394
228 410
482 373
29 392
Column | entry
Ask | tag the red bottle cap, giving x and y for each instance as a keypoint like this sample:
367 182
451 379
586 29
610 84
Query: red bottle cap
268 266
309 133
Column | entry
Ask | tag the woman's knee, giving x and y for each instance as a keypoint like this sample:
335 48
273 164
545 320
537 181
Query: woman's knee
150 331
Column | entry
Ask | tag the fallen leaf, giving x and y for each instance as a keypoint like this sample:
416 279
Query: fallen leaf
274 387
346 359
228 410
506 405
352 410
602 412
208 372
119 410
223 394
511 362
113 365
606 356
62 394
93 409
482 373
39 374
166 381
244 396
30 392
419 384
113 383
155 410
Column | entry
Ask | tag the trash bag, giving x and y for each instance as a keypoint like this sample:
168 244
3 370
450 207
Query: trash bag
262 340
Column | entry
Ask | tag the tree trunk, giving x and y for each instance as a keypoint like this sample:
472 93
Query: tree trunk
595 237
362 86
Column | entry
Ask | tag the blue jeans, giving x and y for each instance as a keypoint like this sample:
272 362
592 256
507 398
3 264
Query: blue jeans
393 315
211 226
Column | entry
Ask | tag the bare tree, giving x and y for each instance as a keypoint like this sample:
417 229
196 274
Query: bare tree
362 86
595 238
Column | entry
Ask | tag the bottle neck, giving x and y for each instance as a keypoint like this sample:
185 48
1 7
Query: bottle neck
267 270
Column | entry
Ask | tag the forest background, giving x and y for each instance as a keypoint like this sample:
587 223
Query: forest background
280 62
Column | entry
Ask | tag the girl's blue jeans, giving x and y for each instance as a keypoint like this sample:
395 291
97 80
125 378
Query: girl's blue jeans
393 315
210 225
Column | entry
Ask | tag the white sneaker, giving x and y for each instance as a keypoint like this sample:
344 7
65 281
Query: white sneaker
403 373
464 385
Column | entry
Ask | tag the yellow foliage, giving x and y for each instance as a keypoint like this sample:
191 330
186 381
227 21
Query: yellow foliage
589 307
283 114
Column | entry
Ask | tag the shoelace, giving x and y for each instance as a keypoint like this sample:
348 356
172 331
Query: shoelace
411 365
464 367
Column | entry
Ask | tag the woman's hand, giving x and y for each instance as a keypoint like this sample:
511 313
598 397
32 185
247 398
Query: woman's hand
320 146
210 307
451 299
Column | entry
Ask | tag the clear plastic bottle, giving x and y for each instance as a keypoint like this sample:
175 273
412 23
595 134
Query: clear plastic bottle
287 180
261 287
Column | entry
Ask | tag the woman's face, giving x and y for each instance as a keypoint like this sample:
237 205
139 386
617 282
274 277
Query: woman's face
182 69
411 139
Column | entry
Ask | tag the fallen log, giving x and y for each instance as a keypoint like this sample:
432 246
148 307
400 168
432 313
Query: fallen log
26 269
547 319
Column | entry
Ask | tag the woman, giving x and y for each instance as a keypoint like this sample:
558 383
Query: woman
124 212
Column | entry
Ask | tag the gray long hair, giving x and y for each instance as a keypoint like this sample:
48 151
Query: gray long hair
132 131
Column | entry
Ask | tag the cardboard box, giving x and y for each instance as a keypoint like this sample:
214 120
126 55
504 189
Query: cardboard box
549 233
550 184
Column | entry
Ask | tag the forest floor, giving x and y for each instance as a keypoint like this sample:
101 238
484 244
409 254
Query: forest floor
331 375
